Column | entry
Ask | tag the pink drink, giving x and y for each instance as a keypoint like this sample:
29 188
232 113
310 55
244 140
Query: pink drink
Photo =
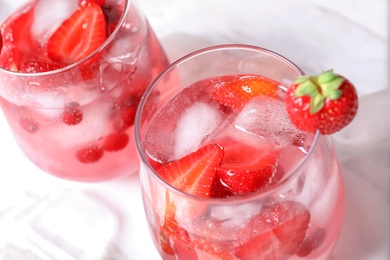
75 120
296 213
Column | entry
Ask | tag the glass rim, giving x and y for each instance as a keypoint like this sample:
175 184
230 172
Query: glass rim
109 39
235 199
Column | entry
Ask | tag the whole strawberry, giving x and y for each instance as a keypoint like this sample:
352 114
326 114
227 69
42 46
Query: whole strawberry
326 102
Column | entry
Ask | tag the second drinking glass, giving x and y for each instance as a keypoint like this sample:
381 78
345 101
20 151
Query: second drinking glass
226 175
71 76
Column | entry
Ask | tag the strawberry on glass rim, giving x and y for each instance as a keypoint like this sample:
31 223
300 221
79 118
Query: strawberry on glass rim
327 102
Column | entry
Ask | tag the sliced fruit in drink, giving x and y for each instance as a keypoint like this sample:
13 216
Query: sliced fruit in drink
238 92
281 229
246 169
78 36
290 221
17 40
194 173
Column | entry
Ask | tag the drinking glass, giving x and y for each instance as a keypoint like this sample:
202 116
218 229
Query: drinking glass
76 122
299 216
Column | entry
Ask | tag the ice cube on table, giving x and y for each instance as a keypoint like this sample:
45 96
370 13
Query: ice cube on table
40 232
196 123
267 117
49 15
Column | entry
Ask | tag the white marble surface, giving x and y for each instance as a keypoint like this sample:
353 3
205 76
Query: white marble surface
350 36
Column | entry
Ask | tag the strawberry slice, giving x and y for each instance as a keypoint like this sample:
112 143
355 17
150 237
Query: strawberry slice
78 36
259 239
311 243
171 234
239 91
17 40
290 221
246 169
194 173
275 233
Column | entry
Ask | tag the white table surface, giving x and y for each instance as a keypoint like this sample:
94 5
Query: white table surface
350 36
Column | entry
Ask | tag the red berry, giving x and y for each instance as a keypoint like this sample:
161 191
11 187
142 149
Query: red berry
128 116
327 102
115 141
29 124
238 92
90 154
81 34
72 114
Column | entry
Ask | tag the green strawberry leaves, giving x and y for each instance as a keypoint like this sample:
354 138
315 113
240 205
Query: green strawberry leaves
319 88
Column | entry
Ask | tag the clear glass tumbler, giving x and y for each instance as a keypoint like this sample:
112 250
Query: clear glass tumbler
76 121
299 213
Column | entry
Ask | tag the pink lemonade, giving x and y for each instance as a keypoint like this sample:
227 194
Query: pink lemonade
231 178
71 76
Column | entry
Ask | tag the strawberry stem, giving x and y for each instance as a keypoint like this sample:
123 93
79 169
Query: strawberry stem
319 88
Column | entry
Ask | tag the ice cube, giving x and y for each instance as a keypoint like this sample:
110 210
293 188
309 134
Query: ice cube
123 51
267 117
48 104
93 126
49 15
234 215
197 122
